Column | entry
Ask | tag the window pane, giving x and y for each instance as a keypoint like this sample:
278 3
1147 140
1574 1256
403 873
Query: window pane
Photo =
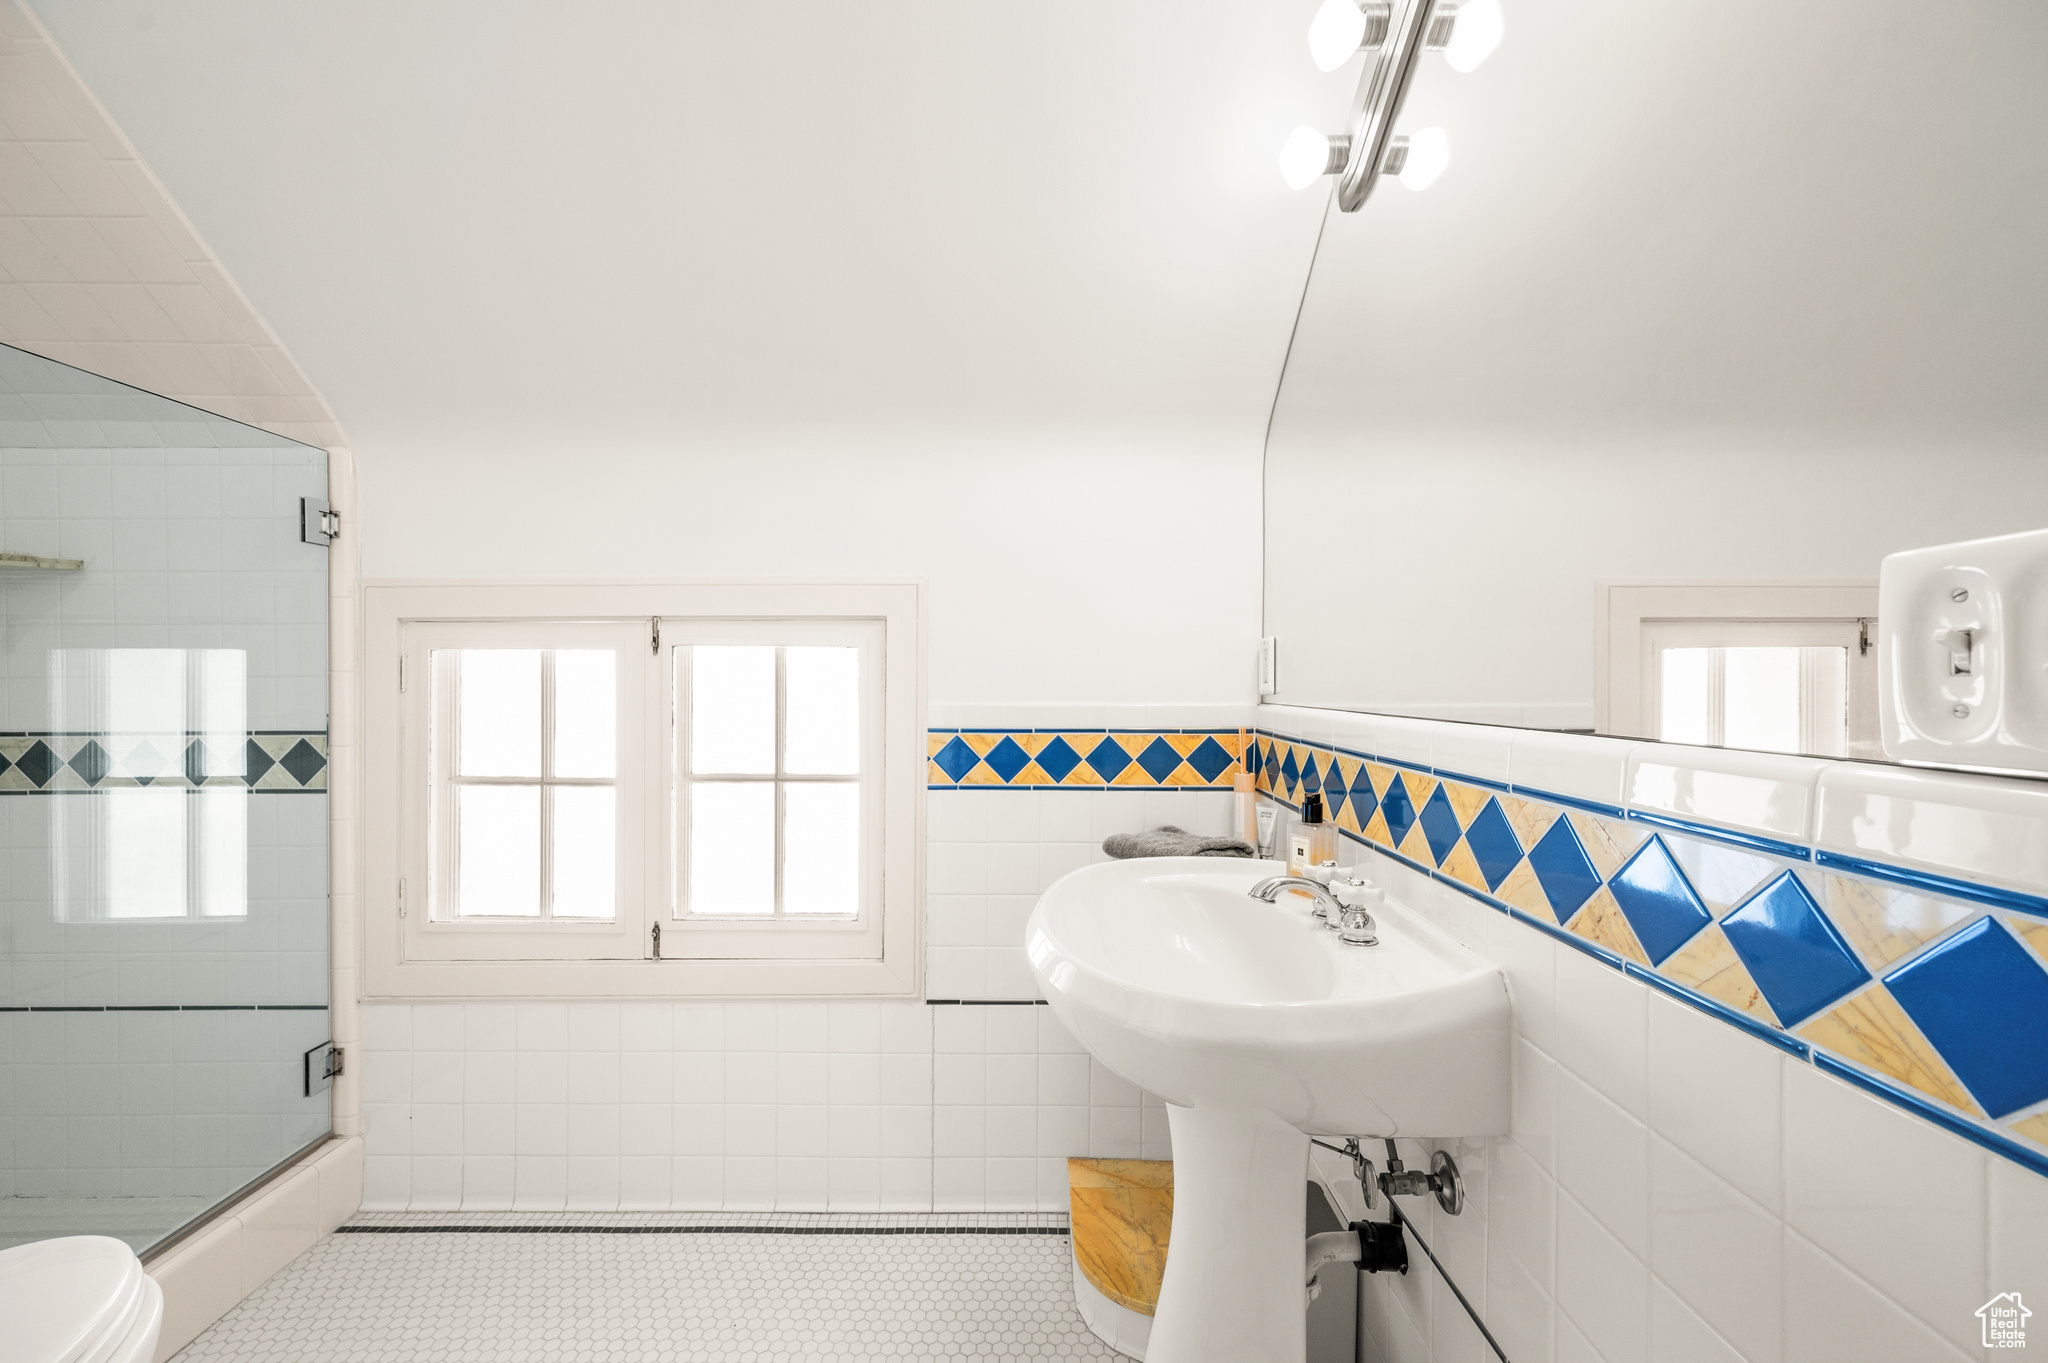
1685 703
732 847
145 851
1761 686
821 848
732 709
586 857
498 850
586 712
1824 701
821 718
500 705
222 847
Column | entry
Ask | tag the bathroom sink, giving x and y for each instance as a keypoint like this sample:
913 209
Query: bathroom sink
1258 1026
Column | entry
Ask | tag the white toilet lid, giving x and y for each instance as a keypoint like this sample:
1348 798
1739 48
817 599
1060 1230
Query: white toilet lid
61 1298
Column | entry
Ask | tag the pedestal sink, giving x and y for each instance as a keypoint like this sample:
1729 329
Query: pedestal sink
1258 1027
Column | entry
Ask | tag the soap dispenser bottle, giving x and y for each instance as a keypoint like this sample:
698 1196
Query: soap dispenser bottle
1313 840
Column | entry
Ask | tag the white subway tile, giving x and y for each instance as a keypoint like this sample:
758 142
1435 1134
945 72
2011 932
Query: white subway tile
1830 1313
1521 1208
1718 1250
1603 1159
1601 1025
1899 1202
1601 1286
1577 765
1715 1093
644 1183
1975 827
2019 1231
1012 868
959 1080
1518 1309
697 1182
957 1185
802 1183
854 1079
592 1183
905 1132
1010 1030
1763 793
1677 1335
1533 1123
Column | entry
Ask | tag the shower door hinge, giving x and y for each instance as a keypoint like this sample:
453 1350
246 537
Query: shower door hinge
323 1065
318 524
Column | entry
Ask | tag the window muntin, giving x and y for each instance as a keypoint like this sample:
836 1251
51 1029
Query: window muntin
525 753
769 787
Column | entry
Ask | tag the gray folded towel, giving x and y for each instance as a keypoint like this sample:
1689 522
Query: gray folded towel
1168 841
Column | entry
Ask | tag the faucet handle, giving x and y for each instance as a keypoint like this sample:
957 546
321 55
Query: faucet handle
1357 928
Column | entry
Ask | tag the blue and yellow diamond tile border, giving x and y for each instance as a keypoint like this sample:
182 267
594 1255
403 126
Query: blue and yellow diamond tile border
1929 992
292 761
1081 759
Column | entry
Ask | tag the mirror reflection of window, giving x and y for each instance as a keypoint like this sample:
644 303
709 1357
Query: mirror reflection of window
163 831
1770 699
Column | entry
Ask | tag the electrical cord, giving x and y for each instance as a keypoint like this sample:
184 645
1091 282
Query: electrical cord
1408 1225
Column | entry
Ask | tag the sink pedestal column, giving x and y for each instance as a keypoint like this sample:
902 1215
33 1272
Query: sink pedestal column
1233 1289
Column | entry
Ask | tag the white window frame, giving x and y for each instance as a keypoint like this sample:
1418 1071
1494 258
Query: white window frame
877 955
1634 620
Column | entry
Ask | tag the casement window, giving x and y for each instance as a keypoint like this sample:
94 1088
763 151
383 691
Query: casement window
642 789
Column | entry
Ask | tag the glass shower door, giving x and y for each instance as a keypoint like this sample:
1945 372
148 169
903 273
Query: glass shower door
163 807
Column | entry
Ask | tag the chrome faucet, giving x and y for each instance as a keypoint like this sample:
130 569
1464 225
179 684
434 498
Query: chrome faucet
1353 922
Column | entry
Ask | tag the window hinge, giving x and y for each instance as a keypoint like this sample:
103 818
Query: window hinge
401 897
1863 638
657 941
401 672
655 646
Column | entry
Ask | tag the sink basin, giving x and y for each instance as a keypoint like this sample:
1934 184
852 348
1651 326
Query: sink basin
1258 1026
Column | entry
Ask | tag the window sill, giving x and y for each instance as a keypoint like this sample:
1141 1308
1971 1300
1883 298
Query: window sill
675 979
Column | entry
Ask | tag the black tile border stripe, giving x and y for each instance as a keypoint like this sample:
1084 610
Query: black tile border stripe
1061 1231
165 1008
984 1003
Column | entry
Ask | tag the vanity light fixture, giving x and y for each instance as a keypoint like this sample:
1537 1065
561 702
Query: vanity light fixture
1393 34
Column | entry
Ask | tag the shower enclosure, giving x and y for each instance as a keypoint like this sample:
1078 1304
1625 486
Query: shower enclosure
163 807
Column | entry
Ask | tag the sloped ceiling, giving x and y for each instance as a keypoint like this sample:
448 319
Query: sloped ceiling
487 223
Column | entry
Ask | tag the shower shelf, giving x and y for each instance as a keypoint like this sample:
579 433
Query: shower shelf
31 561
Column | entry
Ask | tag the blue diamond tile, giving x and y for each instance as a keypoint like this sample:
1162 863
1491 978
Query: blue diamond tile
1159 759
1399 809
1290 775
1563 870
1334 794
1363 801
199 763
90 762
1493 844
256 762
39 764
1793 952
1109 759
1440 825
1658 901
1210 759
1058 758
1311 776
956 759
303 762
1007 758
144 763
1982 999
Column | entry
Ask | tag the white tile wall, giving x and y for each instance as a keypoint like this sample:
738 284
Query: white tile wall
1677 1191
740 1106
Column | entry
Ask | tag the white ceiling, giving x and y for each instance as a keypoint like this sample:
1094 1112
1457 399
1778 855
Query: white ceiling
495 224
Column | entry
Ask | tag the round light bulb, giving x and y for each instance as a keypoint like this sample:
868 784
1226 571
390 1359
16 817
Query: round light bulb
1304 158
1477 32
1429 155
1335 33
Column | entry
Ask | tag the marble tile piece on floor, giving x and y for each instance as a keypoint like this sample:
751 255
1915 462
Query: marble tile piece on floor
405 1286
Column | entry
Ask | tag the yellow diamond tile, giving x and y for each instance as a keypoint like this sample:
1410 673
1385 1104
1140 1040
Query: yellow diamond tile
1608 842
1184 744
1466 801
1376 829
1416 847
1184 775
1522 890
1034 744
1886 922
1873 1030
934 776
1461 866
934 742
1347 770
1709 964
2034 1128
1420 788
981 775
1032 775
2034 931
1135 775
1601 921
1134 743
1530 819
982 744
1347 818
1381 777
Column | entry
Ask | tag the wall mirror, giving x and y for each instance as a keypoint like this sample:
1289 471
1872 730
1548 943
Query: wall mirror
1609 429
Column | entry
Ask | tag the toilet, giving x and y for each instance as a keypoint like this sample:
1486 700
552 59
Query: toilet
80 1299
